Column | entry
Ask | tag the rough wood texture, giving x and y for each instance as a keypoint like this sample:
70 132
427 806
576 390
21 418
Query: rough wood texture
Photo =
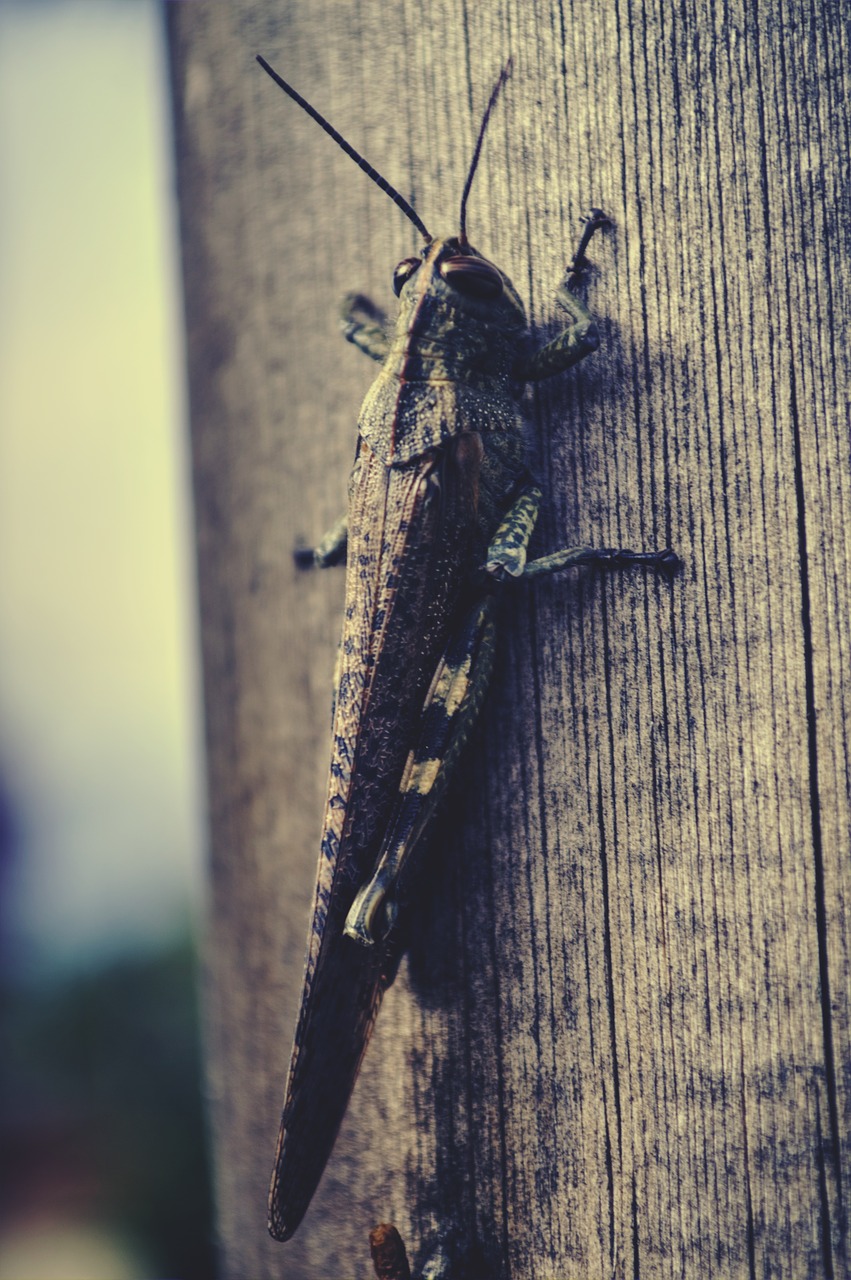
621 1044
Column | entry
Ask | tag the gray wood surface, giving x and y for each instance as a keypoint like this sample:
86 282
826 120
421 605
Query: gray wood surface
620 1047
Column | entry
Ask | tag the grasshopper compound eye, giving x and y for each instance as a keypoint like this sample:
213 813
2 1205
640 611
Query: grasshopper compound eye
403 273
471 276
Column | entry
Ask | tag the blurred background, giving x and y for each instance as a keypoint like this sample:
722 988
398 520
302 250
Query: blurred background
101 796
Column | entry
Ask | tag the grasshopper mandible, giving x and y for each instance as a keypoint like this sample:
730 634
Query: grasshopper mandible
441 509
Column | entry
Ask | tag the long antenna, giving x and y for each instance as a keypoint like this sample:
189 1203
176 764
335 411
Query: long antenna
503 76
407 209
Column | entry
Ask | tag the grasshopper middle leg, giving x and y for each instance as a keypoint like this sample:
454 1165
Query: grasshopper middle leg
506 558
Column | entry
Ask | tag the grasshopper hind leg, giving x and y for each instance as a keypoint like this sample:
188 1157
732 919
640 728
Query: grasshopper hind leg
450 710
452 705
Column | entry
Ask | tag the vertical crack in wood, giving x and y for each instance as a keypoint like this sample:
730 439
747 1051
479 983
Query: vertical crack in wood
746 1161
835 1138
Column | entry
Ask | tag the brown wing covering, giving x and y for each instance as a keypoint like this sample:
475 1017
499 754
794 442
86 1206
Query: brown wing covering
410 532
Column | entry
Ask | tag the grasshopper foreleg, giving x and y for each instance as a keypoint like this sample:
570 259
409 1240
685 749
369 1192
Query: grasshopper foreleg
581 337
571 346
365 325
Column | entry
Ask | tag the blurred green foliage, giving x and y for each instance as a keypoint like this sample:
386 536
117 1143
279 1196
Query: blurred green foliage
101 1114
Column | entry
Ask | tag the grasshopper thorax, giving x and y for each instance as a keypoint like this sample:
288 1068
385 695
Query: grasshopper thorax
449 367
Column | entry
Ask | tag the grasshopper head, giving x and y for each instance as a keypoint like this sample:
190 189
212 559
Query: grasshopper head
449 270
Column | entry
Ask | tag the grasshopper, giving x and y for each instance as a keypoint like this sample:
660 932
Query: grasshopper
441 509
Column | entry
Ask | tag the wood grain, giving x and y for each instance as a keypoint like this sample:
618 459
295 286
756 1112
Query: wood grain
621 1046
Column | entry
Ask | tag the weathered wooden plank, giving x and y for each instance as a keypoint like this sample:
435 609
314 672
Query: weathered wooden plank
622 1045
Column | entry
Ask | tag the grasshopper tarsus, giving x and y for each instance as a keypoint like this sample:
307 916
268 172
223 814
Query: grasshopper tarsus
328 552
666 562
353 302
303 557
594 220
